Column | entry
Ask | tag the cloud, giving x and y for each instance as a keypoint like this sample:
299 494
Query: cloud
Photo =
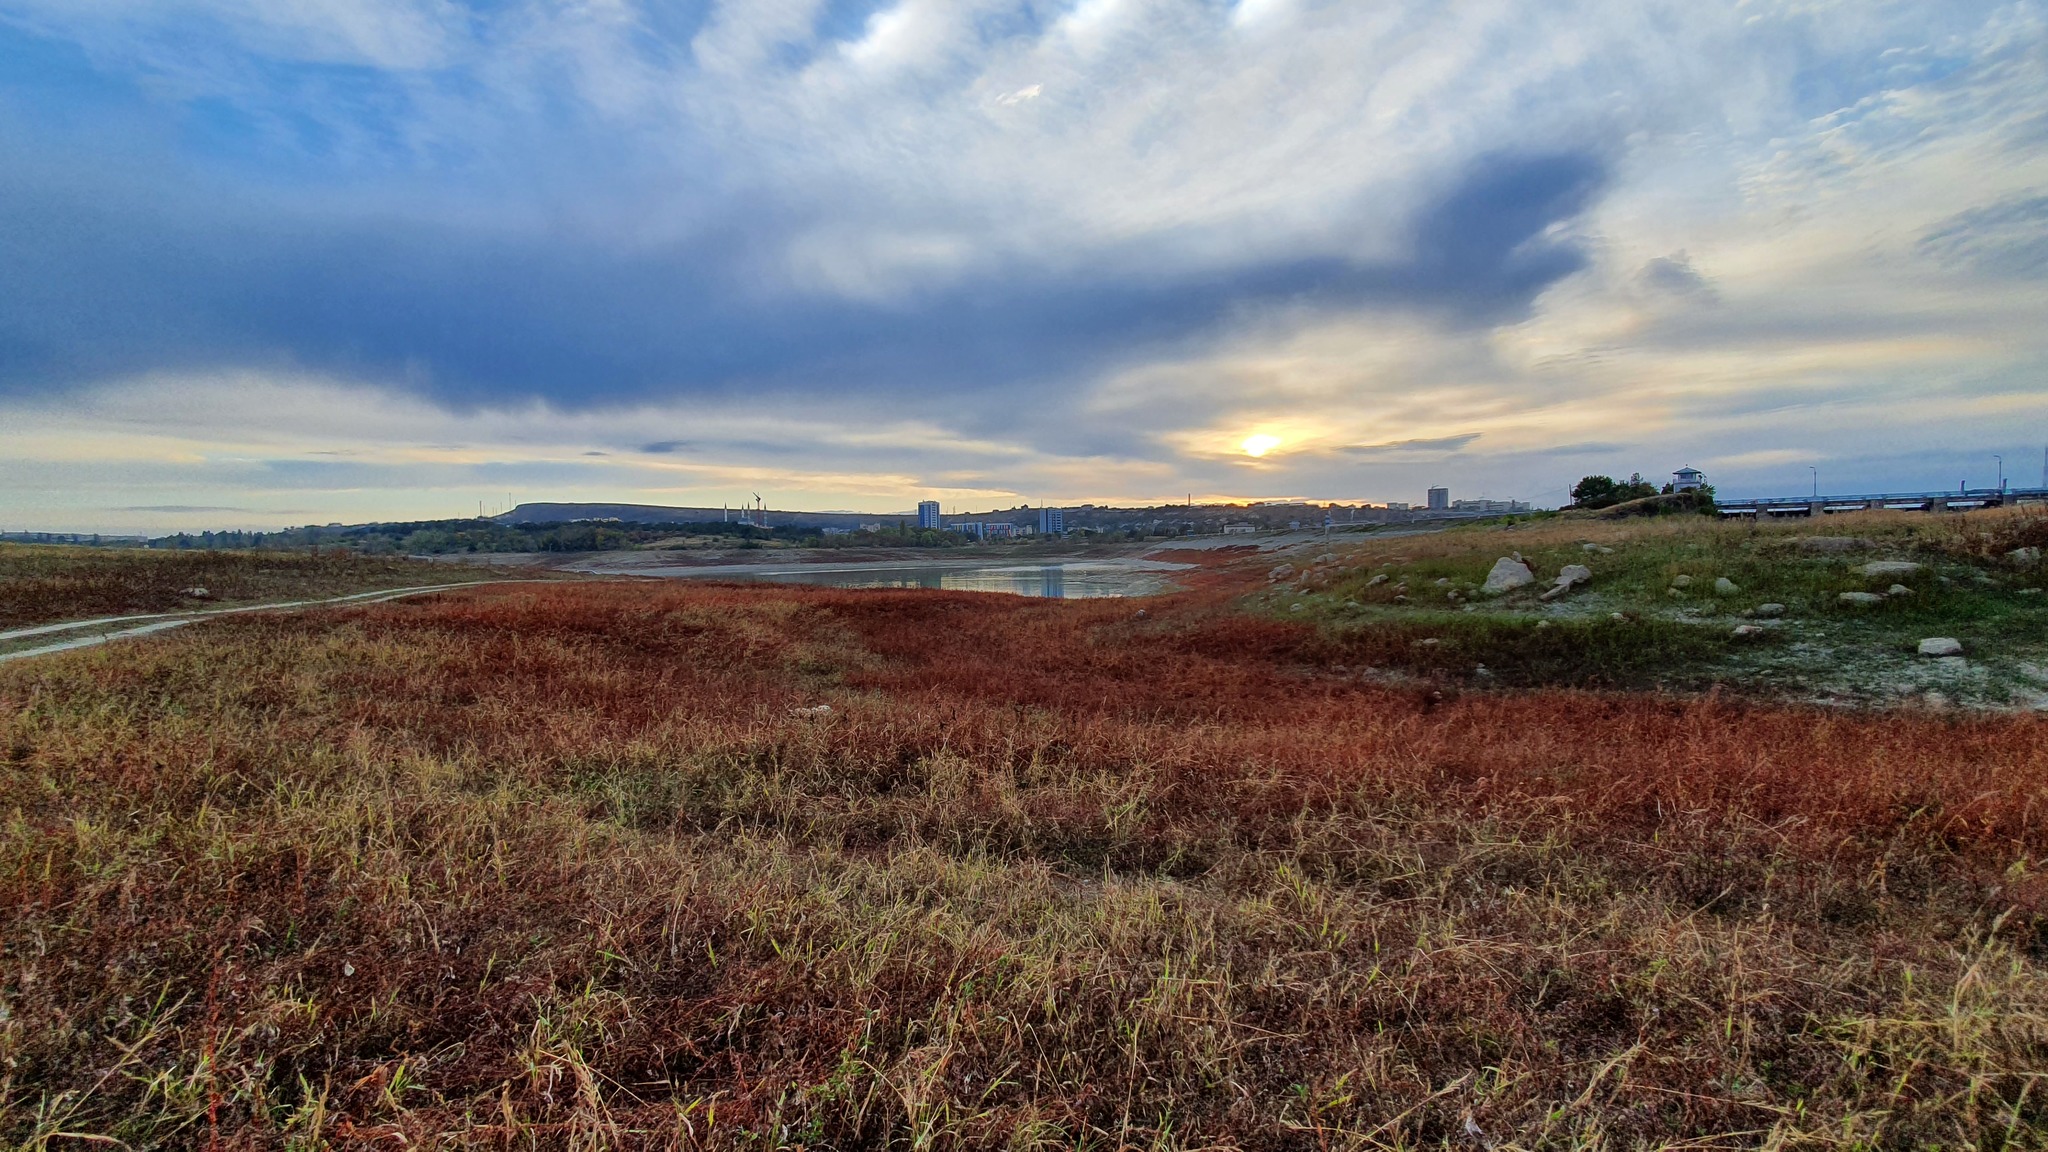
872 245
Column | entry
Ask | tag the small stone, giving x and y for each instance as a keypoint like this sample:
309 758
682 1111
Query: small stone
1681 581
2025 557
1400 599
198 593
1142 614
1941 646
815 711
1892 568
1723 586
1750 630
1860 599
1770 609
1281 573
1617 616
1481 670
1351 604
1376 581
1428 642
1542 624
2028 592
1518 557
1471 607
1508 574
1673 592
1443 581
1898 590
1295 608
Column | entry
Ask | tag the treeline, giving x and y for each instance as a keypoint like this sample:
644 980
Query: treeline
442 537
1644 498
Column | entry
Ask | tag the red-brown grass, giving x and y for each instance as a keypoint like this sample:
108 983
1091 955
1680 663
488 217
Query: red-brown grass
583 865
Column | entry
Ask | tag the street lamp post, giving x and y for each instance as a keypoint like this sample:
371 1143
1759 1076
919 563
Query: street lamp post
2001 472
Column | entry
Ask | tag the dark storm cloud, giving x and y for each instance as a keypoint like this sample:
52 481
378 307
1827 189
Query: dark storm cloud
473 317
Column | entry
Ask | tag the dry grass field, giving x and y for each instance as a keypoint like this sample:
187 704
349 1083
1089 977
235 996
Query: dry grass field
43 584
604 865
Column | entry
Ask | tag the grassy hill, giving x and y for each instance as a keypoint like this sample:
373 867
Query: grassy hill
1692 603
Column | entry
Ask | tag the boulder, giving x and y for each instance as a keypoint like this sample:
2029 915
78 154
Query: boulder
1747 630
1723 586
1891 568
1941 646
1508 574
1281 573
1770 609
1898 590
2025 557
1568 577
1376 581
1681 581
1860 599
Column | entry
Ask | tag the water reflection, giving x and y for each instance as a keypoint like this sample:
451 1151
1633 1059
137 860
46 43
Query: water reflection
1069 581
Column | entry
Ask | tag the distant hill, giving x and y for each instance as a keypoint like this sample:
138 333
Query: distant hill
663 514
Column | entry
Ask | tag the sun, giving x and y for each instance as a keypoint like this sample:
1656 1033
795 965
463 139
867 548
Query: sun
1260 444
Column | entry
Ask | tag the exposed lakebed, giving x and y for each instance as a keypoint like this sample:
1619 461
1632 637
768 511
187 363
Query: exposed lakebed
1060 579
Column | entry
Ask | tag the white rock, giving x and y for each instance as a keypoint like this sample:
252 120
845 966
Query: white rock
1750 629
1281 573
1898 590
1376 581
1543 624
1681 581
2028 592
1941 646
198 593
1892 568
1508 574
1568 577
1723 586
1617 616
1860 599
1295 608
1770 609
816 711
2024 556
1428 642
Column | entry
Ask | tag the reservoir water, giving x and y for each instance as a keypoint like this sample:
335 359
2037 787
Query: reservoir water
1067 579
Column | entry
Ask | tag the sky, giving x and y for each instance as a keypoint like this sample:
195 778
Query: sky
270 262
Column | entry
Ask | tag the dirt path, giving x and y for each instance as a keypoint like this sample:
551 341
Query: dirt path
149 622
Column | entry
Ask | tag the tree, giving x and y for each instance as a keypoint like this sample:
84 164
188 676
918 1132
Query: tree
1605 491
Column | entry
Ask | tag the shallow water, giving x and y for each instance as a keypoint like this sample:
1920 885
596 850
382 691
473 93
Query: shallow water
1069 580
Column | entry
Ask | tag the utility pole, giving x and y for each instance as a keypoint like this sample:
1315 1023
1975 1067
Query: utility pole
2001 471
